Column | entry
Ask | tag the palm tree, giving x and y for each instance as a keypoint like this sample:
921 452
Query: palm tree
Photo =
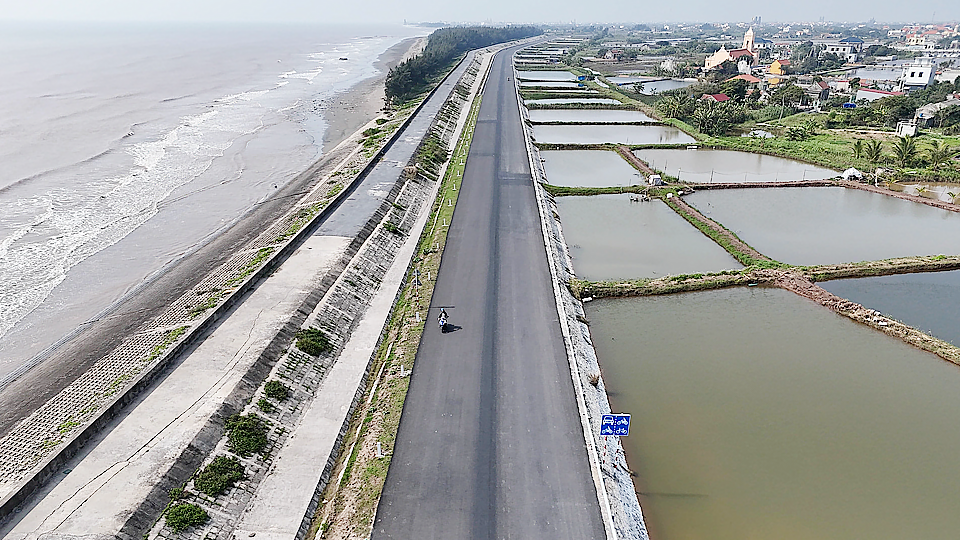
940 154
905 150
858 148
874 151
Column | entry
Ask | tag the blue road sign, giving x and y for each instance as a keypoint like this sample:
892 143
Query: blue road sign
849 105
615 424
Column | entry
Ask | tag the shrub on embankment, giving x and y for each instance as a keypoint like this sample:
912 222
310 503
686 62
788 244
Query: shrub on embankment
414 76
220 475
246 434
313 342
181 517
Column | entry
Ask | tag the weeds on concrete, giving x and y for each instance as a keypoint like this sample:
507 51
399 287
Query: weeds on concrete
276 390
219 475
313 342
246 434
181 517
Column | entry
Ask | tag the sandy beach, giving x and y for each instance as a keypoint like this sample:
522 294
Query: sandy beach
344 114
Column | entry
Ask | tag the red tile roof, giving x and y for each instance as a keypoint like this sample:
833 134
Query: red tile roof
744 77
716 97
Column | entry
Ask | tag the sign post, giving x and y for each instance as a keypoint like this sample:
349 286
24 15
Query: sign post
615 424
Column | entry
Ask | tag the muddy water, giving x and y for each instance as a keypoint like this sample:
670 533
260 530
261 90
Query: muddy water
552 84
612 238
945 192
599 134
831 225
597 116
546 75
730 166
929 302
588 168
760 415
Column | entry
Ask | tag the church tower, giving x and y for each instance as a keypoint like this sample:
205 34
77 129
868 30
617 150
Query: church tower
748 42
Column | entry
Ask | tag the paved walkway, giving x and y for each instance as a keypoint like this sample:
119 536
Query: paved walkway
491 445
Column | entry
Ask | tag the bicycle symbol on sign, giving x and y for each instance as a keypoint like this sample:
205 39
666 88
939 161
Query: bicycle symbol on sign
615 424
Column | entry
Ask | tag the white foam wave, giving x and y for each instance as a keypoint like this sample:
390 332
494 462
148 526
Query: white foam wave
67 225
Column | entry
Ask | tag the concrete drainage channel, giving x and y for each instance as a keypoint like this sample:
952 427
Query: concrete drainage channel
41 445
619 504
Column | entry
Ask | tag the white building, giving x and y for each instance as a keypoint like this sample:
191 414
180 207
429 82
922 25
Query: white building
918 74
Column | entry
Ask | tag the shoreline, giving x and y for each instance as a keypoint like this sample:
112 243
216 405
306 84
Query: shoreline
78 351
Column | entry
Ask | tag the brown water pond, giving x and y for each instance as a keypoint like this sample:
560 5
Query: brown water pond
611 238
829 225
759 414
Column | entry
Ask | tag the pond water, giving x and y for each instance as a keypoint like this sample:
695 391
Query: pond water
612 238
651 87
597 116
831 225
599 134
705 165
934 191
552 84
570 101
758 414
927 301
546 75
588 168
563 91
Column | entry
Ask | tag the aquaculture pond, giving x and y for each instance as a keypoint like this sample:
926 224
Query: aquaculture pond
599 134
546 75
927 301
759 414
652 87
945 192
552 84
596 116
707 165
571 101
830 225
588 168
611 237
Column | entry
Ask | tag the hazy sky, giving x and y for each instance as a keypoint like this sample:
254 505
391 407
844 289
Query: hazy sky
395 11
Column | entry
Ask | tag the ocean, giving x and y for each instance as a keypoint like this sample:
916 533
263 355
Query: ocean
124 148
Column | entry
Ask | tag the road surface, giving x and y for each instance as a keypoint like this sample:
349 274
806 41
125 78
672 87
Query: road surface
490 444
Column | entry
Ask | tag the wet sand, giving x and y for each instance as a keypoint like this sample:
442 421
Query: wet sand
346 113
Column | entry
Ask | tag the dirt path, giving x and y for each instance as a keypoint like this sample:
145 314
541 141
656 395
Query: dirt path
637 163
905 196
688 211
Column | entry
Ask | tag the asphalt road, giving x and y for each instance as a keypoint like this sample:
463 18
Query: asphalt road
490 444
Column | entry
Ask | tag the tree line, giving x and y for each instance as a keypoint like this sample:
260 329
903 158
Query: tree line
444 46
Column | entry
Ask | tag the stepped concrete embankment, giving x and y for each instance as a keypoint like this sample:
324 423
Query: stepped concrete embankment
257 318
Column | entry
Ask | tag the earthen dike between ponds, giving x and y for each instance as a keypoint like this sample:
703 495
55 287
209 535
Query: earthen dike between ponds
763 271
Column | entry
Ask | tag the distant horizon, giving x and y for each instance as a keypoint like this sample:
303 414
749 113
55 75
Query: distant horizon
561 12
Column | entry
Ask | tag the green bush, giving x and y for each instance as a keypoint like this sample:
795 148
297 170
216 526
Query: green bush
246 434
313 342
220 475
177 494
264 405
181 517
276 390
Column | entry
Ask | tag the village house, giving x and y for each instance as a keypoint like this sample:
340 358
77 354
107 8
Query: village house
779 67
847 48
748 53
917 74
716 98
